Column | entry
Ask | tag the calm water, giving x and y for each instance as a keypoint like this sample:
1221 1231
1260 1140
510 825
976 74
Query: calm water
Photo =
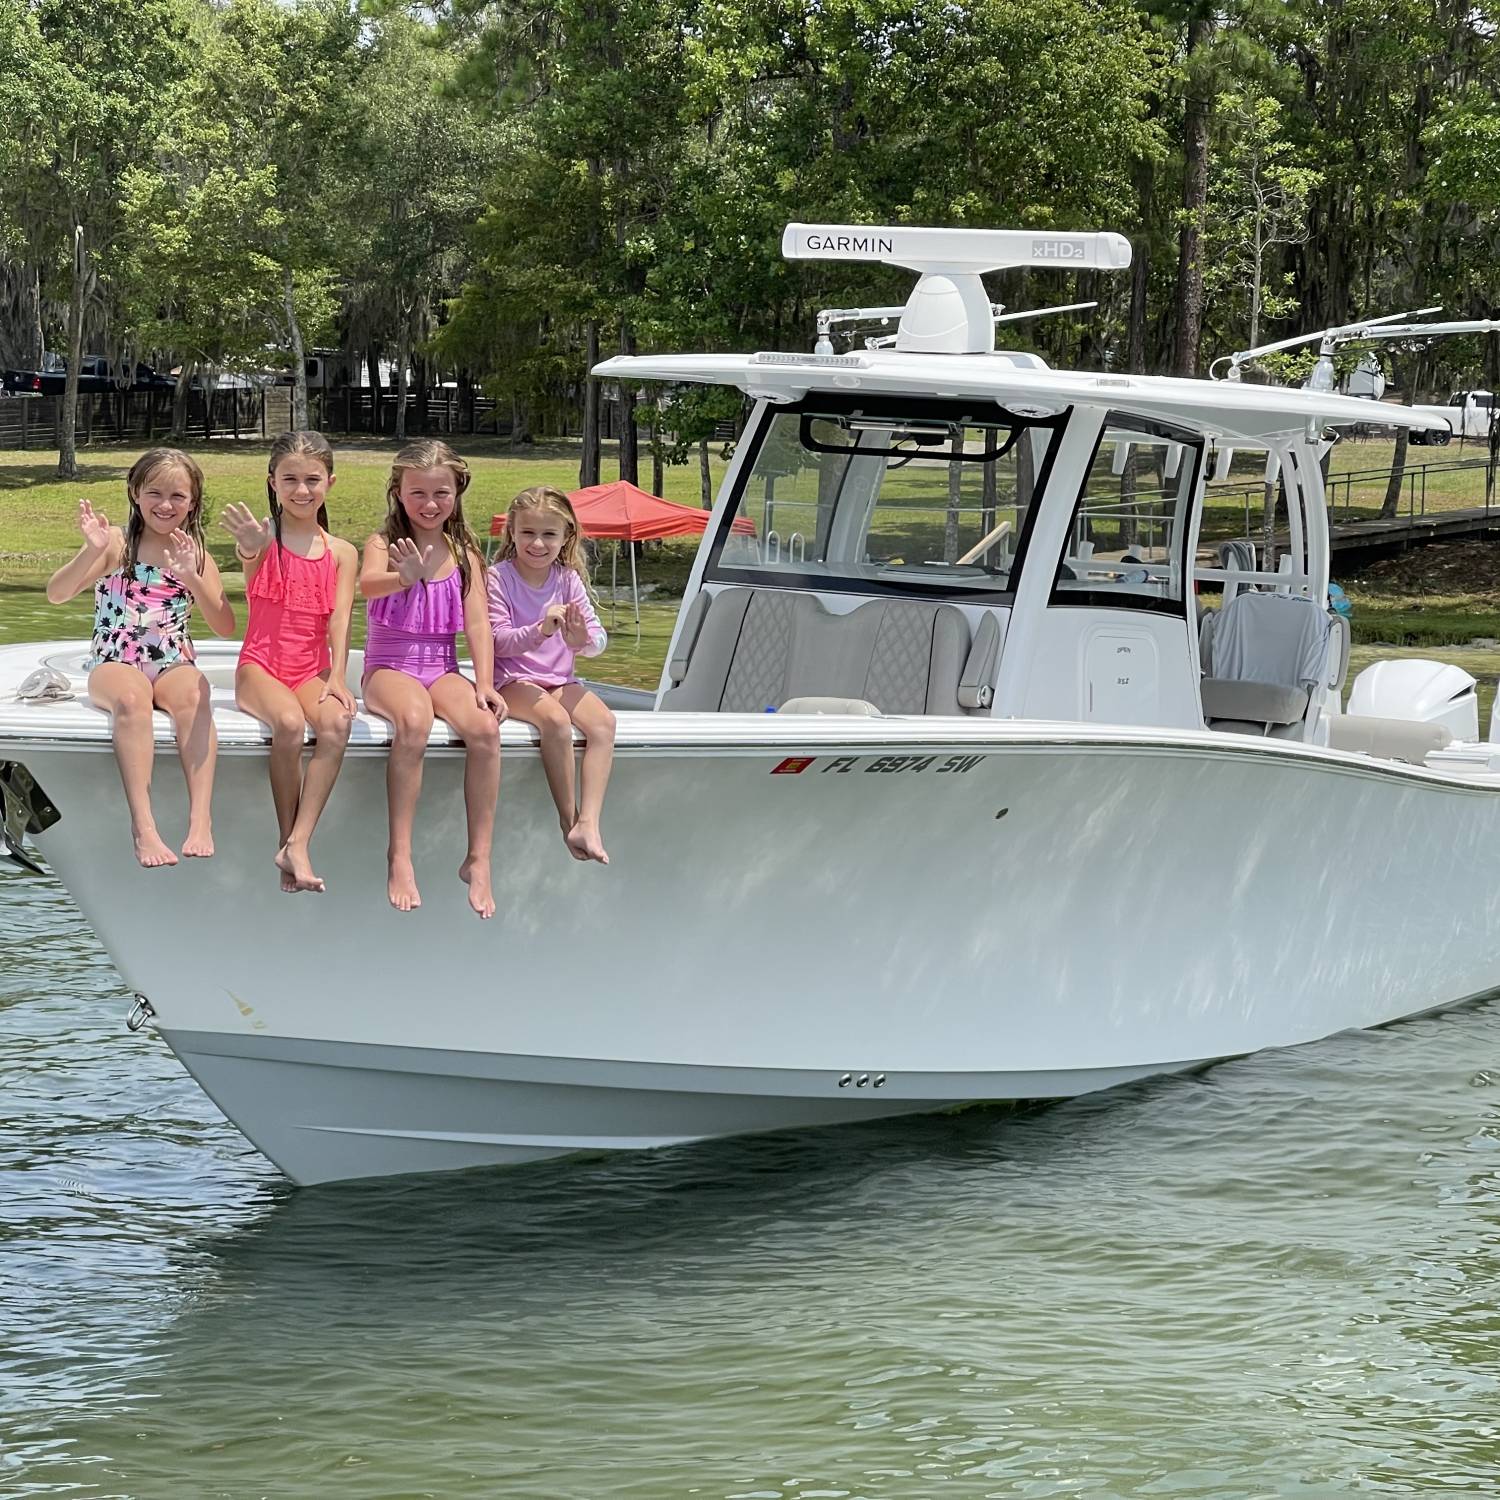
1281 1277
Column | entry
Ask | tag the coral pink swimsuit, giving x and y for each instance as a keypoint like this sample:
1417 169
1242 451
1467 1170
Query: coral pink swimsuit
292 600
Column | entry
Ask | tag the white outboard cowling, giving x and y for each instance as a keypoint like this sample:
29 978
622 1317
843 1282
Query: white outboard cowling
1423 692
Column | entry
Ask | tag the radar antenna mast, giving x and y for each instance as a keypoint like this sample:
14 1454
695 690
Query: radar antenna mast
949 310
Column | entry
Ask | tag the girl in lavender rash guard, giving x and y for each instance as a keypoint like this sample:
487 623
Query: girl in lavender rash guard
542 620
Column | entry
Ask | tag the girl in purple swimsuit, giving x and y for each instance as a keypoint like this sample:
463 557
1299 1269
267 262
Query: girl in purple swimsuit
424 580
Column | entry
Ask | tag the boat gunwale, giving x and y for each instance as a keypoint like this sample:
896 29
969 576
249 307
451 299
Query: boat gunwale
858 736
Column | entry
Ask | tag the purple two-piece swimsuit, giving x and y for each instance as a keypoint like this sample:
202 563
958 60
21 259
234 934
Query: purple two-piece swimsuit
415 631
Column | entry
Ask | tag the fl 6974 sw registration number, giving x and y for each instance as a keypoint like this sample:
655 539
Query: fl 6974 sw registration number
887 765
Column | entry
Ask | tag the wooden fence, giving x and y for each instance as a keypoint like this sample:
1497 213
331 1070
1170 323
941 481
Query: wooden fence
145 417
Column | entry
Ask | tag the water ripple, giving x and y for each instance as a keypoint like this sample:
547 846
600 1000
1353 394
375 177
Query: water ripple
1276 1278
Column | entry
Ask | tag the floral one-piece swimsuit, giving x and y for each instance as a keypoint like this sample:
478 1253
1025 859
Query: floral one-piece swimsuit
142 620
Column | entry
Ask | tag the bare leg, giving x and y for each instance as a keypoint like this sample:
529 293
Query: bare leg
536 706
185 694
404 701
453 698
597 722
261 696
125 695
329 721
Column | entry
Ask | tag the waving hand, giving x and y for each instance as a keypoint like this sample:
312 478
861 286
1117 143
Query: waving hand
251 537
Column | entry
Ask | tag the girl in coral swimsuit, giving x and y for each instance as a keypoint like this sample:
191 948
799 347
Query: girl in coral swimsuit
299 583
424 579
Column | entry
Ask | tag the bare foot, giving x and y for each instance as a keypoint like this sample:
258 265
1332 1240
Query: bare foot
288 880
567 828
583 842
151 851
475 873
401 886
199 843
291 860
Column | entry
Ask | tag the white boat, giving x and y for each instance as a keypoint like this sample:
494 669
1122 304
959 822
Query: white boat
1004 837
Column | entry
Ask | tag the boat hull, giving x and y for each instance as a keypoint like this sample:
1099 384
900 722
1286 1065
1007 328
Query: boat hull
329 1111
803 923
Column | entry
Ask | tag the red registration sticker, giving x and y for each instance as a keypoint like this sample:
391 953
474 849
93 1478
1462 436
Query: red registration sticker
793 765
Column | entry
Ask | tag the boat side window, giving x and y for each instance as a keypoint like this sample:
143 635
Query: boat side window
888 497
1126 541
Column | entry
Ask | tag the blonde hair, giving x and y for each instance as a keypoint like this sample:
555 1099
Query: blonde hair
432 453
142 472
549 501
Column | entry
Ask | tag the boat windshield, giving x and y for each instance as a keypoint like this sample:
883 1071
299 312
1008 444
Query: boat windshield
1126 546
886 497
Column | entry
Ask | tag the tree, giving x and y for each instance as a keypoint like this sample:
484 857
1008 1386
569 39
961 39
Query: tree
21 97
1257 204
421 147
288 80
112 73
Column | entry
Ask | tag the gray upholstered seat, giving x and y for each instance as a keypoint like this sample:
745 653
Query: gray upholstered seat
1264 653
1260 703
1390 739
752 649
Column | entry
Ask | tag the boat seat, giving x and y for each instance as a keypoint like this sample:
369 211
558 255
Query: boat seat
1389 739
1264 655
1255 704
748 650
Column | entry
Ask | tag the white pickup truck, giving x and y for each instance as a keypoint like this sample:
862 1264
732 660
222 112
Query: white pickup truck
1468 415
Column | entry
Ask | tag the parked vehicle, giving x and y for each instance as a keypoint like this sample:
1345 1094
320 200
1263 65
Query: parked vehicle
1468 415
328 370
95 376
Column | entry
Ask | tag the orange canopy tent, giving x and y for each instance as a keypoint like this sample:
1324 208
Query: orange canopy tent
623 512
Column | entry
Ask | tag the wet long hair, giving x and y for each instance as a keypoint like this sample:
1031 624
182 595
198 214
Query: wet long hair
432 453
142 472
314 445
550 501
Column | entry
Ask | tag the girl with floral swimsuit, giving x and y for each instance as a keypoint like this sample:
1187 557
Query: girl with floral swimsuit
146 580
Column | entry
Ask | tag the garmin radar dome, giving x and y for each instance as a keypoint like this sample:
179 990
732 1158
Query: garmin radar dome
949 311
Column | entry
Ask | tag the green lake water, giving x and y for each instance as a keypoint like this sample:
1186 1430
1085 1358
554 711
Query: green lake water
1280 1277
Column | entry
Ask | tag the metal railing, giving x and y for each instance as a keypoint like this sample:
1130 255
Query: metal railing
1413 485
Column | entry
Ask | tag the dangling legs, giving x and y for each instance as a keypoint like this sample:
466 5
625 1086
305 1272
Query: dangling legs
536 706
124 693
263 697
405 703
597 723
185 695
330 722
454 700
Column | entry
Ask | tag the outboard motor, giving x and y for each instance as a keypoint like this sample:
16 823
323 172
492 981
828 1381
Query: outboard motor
1421 692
